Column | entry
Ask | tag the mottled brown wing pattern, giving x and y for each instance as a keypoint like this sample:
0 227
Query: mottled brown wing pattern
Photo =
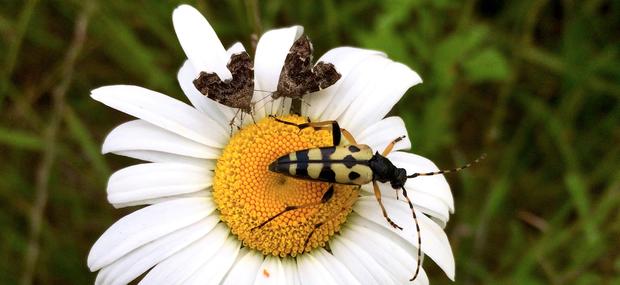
299 77
236 92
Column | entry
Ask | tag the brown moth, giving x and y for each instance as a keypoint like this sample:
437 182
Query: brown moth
236 92
299 76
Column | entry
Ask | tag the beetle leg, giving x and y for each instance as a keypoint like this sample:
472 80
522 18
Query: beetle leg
417 227
348 136
326 197
378 196
344 208
390 146
324 125
318 225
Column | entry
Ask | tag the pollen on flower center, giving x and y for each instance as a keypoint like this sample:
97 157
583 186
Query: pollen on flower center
248 194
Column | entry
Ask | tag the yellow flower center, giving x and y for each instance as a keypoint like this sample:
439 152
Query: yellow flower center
247 194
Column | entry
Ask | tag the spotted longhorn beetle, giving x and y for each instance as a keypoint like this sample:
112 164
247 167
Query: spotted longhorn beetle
352 164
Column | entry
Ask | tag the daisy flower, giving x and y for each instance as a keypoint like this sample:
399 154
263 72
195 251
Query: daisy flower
204 191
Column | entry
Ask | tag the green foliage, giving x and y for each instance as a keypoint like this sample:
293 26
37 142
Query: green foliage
535 84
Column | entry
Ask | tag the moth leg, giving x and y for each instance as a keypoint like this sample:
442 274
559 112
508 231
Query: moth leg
326 197
232 121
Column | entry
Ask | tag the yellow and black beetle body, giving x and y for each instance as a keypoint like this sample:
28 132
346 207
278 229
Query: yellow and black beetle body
351 163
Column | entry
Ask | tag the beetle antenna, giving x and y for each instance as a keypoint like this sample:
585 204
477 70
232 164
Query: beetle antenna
417 227
482 157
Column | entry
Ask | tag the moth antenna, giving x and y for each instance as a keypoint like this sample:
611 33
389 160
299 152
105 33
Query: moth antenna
482 157
417 228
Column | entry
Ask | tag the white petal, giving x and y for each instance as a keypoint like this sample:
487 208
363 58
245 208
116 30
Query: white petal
200 194
311 271
164 112
351 63
381 133
200 42
290 271
389 84
140 260
185 263
270 272
145 225
156 180
396 255
435 185
358 83
236 48
141 135
434 241
340 272
214 271
271 50
244 270
393 252
363 265
428 204
158 156
214 110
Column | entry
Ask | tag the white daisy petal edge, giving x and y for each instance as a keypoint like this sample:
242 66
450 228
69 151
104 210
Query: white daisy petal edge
435 185
215 269
271 271
271 50
428 204
434 240
340 272
200 42
182 265
141 135
289 265
145 225
159 156
245 268
357 68
390 80
156 180
381 133
359 262
394 258
311 271
163 111
132 265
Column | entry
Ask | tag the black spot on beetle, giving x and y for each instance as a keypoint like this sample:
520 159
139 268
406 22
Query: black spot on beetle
349 161
353 175
327 174
353 148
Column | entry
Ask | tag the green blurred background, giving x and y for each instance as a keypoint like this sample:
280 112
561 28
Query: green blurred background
535 84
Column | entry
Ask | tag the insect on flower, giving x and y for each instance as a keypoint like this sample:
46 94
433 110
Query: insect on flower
236 92
299 77
349 163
